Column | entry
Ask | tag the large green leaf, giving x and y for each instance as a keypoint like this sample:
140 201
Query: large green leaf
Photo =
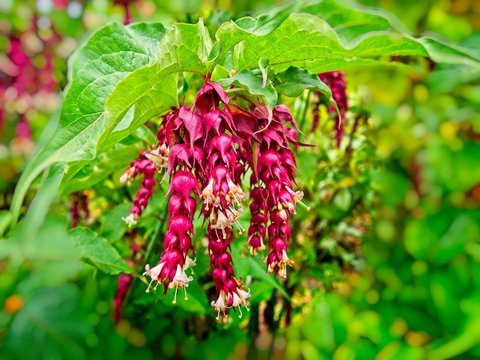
98 252
354 23
329 36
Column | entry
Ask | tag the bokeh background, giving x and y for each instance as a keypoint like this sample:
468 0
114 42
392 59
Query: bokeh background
390 252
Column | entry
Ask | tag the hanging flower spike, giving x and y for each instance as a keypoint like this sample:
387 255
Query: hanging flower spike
124 283
222 193
229 289
258 221
336 82
145 167
183 162
276 169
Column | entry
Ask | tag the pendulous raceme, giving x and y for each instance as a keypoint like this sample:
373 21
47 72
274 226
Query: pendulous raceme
208 150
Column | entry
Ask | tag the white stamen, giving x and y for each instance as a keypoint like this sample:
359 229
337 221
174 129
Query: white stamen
175 297
304 205
130 220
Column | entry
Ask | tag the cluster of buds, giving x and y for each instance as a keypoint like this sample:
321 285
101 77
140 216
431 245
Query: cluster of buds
336 82
207 149
146 168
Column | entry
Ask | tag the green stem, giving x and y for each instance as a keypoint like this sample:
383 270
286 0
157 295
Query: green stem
298 111
305 109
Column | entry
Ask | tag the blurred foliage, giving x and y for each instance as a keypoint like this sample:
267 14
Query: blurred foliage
389 252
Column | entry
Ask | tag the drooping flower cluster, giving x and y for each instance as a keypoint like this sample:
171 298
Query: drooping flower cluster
221 195
273 200
207 149
184 162
336 82
170 270
146 168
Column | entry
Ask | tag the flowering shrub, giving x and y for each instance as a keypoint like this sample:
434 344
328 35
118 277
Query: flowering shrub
209 148
184 154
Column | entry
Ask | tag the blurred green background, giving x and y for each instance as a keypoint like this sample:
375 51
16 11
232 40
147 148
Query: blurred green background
390 252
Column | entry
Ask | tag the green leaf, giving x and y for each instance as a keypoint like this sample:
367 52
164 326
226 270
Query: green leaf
354 21
5 219
219 72
331 37
253 84
307 41
231 33
95 68
294 81
113 227
83 175
98 252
